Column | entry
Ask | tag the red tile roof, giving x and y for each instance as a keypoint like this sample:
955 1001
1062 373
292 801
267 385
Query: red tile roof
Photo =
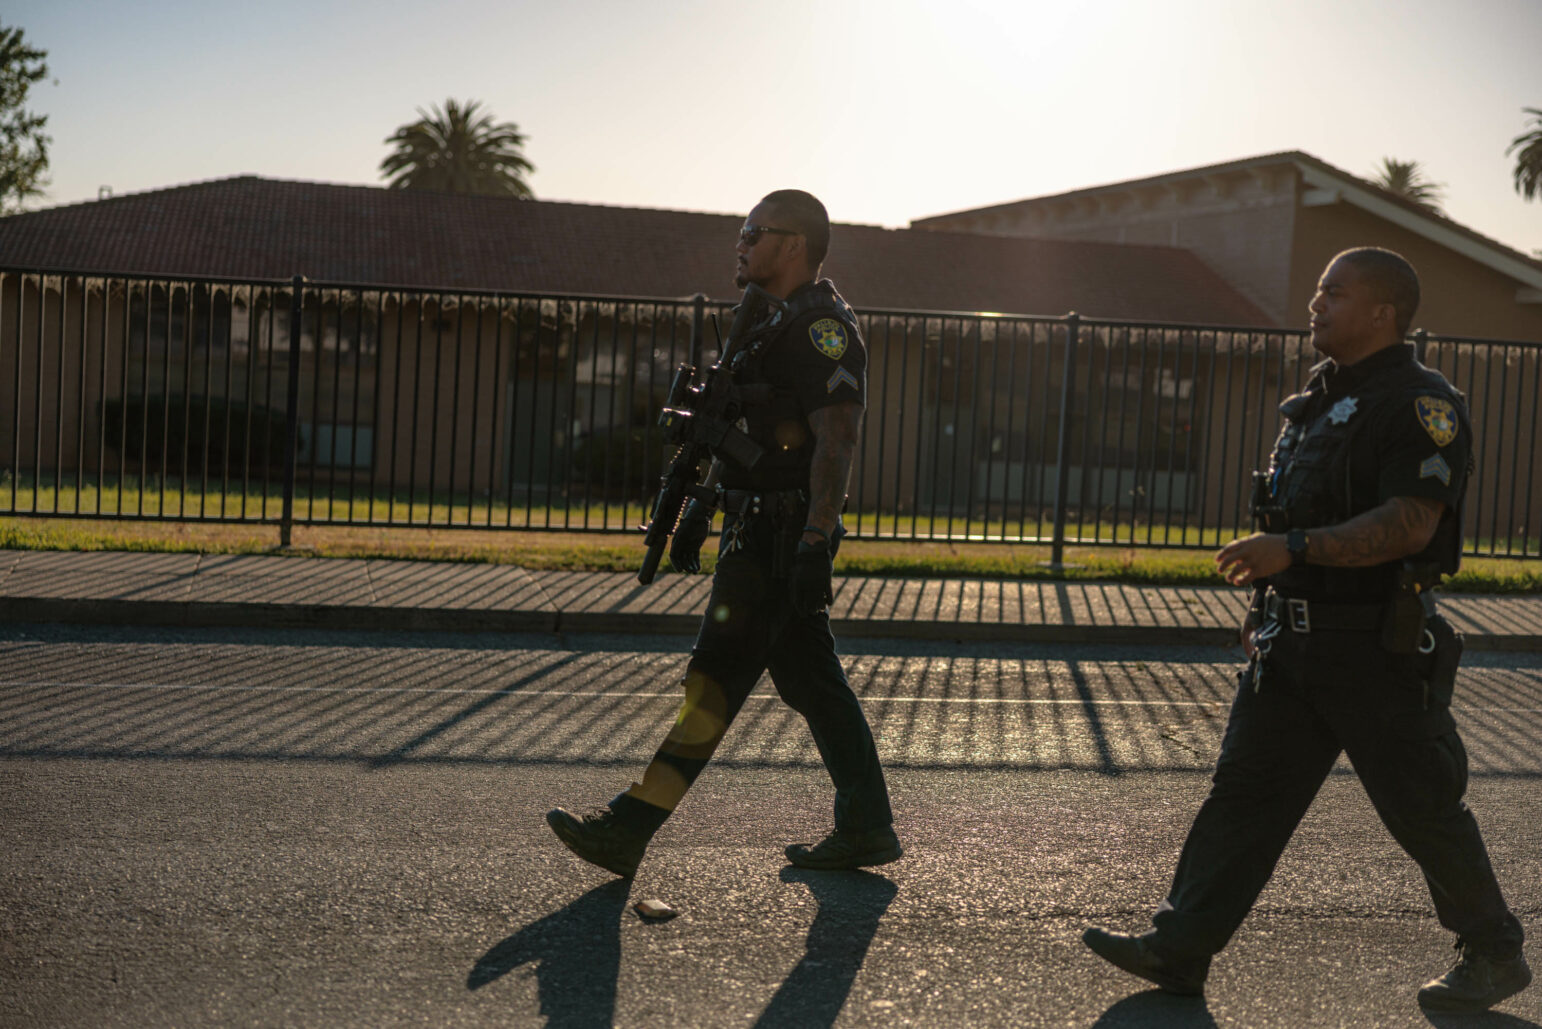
251 227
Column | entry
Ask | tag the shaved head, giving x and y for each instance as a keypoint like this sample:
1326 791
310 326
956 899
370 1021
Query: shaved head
1391 278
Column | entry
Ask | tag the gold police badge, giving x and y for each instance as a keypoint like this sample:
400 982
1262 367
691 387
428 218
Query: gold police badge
1438 418
829 337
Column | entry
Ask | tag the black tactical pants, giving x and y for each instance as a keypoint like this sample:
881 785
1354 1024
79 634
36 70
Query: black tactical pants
1316 695
749 628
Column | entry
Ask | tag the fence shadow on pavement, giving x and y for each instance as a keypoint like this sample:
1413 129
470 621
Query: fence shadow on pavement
341 699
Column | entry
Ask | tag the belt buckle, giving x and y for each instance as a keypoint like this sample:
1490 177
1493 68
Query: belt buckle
1300 614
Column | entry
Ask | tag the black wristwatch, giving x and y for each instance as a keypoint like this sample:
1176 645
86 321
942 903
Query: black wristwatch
1295 542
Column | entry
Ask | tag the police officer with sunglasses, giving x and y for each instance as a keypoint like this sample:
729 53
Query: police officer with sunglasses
804 380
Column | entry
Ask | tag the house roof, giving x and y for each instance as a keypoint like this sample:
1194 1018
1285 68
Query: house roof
250 227
1323 184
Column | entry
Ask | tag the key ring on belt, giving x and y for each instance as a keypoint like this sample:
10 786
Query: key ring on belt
1263 638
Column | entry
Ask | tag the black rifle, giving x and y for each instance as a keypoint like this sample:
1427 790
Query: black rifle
700 419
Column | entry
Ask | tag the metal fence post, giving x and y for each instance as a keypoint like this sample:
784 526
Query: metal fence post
292 410
1063 445
1421 340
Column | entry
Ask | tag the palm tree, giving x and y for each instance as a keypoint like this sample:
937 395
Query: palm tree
1407 180
458 150
1528 163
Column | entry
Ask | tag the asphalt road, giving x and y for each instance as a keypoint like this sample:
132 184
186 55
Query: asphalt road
249 828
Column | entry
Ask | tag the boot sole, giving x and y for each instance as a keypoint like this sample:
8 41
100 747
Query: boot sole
876 857
1459 1005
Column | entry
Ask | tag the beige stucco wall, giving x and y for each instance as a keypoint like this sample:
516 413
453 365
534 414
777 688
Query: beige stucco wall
44 422
1240 224
1461 296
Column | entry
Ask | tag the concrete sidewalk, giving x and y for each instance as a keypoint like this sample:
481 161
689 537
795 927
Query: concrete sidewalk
296 592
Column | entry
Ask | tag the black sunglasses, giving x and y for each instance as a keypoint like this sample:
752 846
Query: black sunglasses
751 235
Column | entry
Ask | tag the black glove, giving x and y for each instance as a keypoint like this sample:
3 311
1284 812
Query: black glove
690 534
810 579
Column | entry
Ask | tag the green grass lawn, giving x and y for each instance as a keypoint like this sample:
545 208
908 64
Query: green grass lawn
420 510
622 552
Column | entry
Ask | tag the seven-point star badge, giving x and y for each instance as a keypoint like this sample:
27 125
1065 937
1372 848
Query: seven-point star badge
1342 411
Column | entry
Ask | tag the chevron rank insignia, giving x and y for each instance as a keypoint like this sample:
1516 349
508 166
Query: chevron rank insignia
829 337
1438 418
1435 467
841 376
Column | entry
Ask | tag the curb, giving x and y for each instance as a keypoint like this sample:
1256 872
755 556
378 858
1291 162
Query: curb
206 614
335 617
177 614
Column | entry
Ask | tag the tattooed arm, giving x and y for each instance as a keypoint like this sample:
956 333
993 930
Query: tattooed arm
1395 529
1401 526
836 430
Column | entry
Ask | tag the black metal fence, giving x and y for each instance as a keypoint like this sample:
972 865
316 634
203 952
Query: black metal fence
308 403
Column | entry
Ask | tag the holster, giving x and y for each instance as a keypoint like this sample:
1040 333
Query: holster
1402 627
1440 678
789 513
1409 610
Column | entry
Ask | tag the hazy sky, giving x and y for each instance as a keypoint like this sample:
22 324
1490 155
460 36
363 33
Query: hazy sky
888 110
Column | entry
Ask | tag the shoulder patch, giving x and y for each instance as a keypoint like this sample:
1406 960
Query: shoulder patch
1438 418
829 337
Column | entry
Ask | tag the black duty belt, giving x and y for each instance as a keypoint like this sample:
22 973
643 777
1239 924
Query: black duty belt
741 501
1301 615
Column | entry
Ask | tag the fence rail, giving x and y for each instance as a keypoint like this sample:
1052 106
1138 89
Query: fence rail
314 403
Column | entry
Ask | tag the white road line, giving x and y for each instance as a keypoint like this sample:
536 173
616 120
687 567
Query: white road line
673 696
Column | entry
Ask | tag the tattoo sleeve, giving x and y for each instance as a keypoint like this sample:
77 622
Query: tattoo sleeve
836 429
1397 528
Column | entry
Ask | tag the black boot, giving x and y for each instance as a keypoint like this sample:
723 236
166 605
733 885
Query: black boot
600 839
1476 982
846 848
1138 956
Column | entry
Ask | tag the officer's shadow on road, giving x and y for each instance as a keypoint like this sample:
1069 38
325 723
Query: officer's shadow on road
851 904
576 951
1155 1009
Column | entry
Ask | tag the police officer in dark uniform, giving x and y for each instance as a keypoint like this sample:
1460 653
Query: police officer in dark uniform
1361 508
804 382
